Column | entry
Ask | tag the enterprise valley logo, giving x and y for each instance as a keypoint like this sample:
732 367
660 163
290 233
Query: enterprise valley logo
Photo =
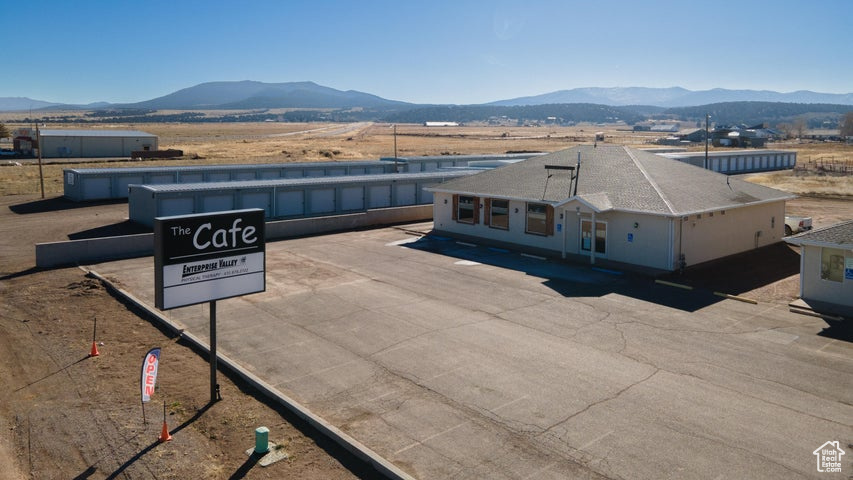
212 266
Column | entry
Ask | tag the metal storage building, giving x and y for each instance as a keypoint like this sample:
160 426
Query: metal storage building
82 184
94 143
433 163
288 198
739 161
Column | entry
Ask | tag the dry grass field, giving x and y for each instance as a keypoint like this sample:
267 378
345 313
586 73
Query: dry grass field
272 142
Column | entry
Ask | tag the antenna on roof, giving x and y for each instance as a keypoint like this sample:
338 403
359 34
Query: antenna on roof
577 175
573 178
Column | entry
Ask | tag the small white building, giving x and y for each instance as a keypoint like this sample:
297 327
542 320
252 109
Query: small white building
58 143
612 203
826 268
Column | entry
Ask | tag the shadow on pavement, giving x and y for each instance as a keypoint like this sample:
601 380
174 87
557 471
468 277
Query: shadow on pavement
115 230
572 279
743 272
57 204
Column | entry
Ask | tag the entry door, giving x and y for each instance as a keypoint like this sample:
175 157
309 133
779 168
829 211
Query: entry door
597 237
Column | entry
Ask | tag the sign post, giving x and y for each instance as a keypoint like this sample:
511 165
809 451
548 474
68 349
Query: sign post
214 385
207 257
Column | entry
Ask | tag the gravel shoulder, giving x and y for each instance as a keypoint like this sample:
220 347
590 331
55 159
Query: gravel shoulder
64 414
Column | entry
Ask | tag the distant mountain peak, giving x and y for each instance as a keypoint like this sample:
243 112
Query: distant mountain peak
254 94
673 97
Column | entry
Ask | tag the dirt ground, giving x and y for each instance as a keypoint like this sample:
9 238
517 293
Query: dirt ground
66 415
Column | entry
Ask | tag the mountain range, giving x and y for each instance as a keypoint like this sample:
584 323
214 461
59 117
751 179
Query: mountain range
309 95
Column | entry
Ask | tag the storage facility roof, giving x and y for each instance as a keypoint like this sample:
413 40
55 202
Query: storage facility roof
313 181
46 132
726 153
228 167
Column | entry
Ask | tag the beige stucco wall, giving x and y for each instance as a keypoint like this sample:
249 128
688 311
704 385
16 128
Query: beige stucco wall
815 288
443 220
654 242
716 235
650 245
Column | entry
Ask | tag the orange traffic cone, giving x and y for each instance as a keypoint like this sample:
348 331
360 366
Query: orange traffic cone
94 352
164 434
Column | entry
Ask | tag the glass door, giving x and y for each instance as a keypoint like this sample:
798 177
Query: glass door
597 237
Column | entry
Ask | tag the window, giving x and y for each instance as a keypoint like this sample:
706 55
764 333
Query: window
499 214
832 264
537 216
600 238
465 209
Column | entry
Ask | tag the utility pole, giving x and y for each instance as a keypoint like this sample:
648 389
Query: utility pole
707 139
395 149
41 174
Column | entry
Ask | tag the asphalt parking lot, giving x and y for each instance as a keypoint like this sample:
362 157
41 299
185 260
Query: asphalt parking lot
457 361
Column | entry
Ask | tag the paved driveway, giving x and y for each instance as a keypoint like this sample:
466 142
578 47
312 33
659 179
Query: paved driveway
454 361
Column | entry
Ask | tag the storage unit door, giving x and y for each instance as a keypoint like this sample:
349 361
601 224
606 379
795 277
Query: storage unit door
269 174
426 197
175 206
195 177
161 179
258 200
290 204
321 201
218 177
352 198
217 203
406 195
379 196
95 188
123 182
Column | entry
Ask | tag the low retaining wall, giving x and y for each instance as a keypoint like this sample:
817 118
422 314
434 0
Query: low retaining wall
96 250
93 250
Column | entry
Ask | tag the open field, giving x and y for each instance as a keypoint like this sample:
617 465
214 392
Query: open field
272 142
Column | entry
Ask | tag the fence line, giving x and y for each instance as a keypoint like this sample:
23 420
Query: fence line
826 163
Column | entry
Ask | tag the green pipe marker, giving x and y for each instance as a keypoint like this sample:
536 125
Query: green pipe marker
262 440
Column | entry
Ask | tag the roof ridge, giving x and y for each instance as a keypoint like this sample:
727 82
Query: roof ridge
651 181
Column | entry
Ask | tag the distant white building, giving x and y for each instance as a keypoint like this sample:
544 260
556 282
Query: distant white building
57 143
441 124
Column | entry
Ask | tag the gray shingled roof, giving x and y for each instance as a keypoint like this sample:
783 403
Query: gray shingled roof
840 235
614 177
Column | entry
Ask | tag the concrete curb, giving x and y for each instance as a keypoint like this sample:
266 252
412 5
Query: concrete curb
736 297
673 284
383 466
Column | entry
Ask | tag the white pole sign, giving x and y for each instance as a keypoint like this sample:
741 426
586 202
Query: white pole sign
206 257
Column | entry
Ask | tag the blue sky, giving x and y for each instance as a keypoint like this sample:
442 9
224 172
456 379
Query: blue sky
424 51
